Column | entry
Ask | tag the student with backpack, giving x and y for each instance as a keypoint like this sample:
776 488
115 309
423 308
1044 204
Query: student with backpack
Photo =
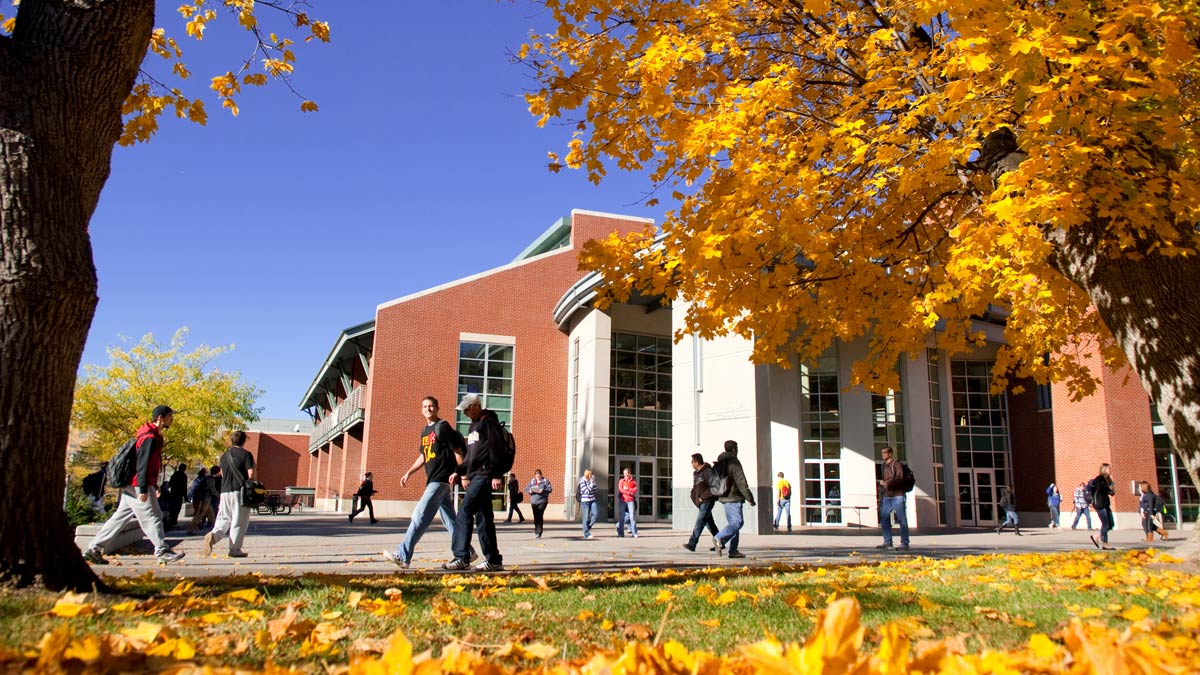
897 481
1083 503
784 489
135 470
732 491
489 450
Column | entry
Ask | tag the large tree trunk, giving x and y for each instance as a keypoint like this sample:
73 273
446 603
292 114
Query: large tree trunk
64 74
1152 306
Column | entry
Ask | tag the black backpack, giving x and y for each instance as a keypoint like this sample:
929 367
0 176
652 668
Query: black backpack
719 482
1089 492
123 466
504 453
910 481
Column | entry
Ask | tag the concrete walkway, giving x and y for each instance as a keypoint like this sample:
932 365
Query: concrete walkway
317 542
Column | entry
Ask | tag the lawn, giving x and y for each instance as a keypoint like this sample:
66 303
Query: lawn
996 613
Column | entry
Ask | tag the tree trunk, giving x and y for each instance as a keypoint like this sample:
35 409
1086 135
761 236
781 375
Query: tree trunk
64 74
1152 306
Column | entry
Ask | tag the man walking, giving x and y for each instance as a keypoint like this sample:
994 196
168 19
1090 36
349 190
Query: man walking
627 493
365 490
739 493
479 469
441 451
1008 504
703 498
137 500
237 468
1082 508
784 489
893 502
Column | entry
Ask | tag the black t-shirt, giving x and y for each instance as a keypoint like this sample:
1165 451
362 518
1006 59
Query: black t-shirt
438 442
235 464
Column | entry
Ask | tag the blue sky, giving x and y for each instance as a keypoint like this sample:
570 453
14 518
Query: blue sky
275 230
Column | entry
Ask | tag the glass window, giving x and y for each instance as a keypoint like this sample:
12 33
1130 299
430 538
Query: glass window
486 369
640 415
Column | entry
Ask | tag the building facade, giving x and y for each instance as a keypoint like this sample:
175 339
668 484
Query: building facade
583 388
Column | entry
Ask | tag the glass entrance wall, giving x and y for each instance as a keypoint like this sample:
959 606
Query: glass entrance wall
981 438
935 433
887 429
821 440
1173 476
640 419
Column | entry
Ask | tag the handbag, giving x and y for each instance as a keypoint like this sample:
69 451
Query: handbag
254 493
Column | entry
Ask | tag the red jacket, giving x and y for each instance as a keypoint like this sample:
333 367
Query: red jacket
628 489
149 457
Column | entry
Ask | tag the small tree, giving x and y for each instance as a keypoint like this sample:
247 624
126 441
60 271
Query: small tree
112 401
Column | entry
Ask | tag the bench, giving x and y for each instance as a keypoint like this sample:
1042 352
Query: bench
299 497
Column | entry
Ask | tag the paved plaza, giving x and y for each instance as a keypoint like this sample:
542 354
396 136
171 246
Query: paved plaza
321 542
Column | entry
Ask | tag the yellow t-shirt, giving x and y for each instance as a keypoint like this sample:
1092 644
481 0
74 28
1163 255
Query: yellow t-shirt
783 488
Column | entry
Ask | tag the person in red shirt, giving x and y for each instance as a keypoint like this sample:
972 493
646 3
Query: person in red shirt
140 499
627 489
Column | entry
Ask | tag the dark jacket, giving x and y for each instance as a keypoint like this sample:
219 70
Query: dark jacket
1102 492
483 435
700 485
149 457
179 485
365 489
741 490
893 478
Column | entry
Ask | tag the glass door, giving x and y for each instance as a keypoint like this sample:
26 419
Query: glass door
822 492
977 498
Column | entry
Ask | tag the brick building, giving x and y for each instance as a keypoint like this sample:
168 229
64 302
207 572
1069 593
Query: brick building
607 390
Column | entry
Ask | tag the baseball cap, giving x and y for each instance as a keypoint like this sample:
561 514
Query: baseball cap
470 400
162 411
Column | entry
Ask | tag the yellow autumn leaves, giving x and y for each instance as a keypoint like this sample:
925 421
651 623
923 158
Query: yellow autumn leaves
150 99
830 161
1126 614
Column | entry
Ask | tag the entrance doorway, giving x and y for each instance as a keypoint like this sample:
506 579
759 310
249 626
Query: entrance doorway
977 498
822 492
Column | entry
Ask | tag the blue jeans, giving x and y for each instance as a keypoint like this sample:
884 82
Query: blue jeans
889 506
587 511
785 506
704 519
1087 511
477 506
436 499
730 535
1106 523
628 510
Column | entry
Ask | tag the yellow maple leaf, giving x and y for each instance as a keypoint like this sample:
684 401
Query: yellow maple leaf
710 623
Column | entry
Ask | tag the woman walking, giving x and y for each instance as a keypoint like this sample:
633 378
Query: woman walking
1102 492
539 489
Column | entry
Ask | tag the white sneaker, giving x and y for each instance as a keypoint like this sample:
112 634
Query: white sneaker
486 566
395 559
170 556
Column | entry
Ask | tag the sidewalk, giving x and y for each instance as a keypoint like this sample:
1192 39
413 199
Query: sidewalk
317 542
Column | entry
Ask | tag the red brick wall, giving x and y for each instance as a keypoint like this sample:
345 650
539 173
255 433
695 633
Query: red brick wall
1131 434
281 459
1112 426
416 354
1032 447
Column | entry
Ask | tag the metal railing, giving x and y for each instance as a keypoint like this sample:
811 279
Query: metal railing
348 413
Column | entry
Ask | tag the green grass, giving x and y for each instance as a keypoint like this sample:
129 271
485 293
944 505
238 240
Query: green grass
987 601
